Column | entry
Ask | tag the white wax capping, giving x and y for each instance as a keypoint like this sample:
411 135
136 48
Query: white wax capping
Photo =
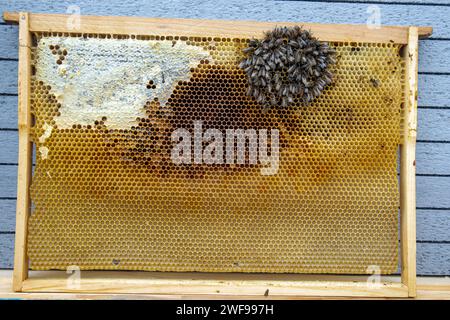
44 152
108 77
47 132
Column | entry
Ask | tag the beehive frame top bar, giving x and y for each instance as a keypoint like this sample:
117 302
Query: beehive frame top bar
219 28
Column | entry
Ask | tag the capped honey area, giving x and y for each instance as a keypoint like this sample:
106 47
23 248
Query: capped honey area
107 192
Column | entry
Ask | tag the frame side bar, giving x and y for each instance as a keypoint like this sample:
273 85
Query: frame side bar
20 272
408 166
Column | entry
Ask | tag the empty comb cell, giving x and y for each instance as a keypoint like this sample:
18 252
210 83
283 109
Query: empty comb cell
107 194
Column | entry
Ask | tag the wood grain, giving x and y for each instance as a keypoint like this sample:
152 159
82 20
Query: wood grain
7 215
116 283
211 28
433 90
406 2
6 251
25 151
9 44
8 113
8 80
427 288
432 124
261 10
408 166
433 225
434 56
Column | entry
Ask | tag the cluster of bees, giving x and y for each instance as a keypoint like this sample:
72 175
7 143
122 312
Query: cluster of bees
288 64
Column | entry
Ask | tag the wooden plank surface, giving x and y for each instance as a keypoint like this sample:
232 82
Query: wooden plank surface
211 28
262 10
7 250
434 95
7 216
408 166
428 288
25 152
405 2
227 284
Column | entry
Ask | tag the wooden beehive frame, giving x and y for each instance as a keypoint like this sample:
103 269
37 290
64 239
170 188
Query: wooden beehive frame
230 284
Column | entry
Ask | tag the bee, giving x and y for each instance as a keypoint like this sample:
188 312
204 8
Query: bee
375 82
287 66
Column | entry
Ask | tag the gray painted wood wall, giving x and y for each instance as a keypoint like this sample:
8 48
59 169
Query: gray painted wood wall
433 149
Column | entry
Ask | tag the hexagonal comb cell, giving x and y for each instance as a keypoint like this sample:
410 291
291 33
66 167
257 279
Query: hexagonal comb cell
106 194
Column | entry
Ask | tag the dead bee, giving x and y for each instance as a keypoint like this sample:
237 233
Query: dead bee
375 82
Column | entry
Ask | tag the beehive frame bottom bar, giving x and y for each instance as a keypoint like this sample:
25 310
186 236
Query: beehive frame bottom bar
168 283
213 284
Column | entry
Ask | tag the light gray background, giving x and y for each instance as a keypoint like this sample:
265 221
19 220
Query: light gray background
433 148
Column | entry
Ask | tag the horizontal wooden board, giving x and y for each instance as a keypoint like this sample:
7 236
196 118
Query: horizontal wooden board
8 78
433 192
9 44
405 2
433 158
190 283
177 283
433 259
7 215
433 124
85 6
6 251
427 288
432 225
8 112
434 56
8 181
9 140
321 12
40 22
433 90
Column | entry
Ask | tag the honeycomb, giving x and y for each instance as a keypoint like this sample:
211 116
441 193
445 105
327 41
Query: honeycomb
106 194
